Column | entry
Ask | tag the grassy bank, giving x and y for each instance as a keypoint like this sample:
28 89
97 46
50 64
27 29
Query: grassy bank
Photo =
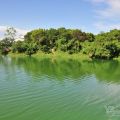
56 55
118 59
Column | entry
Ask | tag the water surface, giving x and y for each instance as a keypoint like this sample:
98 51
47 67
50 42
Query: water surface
45 89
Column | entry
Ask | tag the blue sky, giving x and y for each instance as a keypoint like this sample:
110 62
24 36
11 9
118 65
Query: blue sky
88 15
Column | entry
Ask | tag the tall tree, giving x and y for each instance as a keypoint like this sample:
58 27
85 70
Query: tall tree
10 34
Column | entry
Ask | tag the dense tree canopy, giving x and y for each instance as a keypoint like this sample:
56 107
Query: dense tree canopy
7 42
101 46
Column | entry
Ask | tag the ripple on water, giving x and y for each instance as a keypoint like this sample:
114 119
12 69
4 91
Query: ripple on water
53 94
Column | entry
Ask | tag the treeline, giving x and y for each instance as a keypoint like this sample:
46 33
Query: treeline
101 46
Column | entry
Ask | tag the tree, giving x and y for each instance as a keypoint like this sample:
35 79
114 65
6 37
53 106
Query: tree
31 48
10 34
79 35
5 46
102 46
19 46
90 37
7 42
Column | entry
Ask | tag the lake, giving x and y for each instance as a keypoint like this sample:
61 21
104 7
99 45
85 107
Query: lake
50 89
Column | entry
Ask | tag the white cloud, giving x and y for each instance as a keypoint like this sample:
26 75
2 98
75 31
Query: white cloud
98 1
106 27
107 14
2 28
20 32
111 10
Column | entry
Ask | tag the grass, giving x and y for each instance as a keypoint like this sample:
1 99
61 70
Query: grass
56 55
118 59
62 55
17 55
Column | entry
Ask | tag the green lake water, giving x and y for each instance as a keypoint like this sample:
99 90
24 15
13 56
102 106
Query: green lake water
49 89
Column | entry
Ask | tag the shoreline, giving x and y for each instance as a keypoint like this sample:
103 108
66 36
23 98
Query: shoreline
60 56
56 55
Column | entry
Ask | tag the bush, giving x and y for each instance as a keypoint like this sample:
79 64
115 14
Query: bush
19 47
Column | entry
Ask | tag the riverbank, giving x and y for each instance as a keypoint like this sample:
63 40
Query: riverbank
56 55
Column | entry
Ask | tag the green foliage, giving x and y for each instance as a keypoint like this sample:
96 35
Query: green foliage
10 34
62 39
101 46
90 37
79 35
5 45
31 48
19 47
108 45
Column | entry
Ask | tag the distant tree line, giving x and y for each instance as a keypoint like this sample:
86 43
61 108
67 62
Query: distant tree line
101 46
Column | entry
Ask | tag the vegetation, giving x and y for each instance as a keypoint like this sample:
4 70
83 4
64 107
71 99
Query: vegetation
7 42
71 41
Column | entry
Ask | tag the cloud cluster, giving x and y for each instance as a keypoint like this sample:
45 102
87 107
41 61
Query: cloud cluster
108 15
112 10
98 1
20 32
106 27
2 28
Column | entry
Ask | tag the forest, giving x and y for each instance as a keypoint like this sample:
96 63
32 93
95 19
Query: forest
105 45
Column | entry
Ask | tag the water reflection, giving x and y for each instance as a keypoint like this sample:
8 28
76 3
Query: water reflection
78 89
106 71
